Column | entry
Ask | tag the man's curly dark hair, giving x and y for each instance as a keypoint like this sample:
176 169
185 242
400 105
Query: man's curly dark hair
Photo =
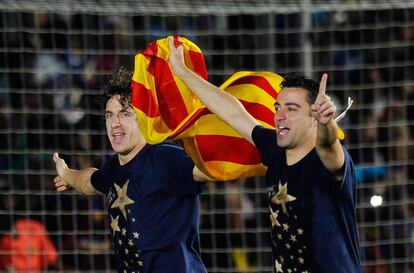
119 84
301 81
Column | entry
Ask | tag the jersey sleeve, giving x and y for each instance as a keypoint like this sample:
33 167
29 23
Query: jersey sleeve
100 179
179 166
265 141
348 182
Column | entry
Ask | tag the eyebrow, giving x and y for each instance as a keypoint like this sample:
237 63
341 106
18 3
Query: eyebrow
288 104
126 110
122 110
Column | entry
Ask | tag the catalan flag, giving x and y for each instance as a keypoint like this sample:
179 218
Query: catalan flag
164 104
167 109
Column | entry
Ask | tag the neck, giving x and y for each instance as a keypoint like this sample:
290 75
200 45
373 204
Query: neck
125 158
294 155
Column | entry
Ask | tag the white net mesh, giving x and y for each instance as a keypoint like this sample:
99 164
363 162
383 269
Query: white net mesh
55 55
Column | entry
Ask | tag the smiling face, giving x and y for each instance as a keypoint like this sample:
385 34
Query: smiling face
122 128
294 124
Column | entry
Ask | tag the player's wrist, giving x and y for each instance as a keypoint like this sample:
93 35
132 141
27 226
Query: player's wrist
181 70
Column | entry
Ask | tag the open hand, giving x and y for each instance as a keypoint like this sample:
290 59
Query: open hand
61 168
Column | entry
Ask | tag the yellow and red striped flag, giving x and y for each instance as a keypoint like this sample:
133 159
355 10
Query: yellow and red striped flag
166 109
163 103
219 150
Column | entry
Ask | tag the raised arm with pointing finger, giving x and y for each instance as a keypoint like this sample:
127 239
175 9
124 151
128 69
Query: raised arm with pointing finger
327 144
230 110
310 178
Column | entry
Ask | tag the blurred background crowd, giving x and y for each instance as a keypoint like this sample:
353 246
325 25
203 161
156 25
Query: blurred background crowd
53 64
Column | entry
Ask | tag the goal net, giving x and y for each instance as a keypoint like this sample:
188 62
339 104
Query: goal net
56 55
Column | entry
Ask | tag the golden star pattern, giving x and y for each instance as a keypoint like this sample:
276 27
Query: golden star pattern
282 197
125 235
122 200
288 239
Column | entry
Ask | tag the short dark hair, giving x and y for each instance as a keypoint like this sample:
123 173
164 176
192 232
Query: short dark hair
302 81
119 84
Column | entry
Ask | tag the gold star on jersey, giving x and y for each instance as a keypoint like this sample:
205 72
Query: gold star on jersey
282 197
122 199
273 217
114 224
288 238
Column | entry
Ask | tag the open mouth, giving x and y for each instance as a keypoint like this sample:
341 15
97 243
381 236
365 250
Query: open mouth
282 131
118 137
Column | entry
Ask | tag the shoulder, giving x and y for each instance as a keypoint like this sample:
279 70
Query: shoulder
263 137
265 141
345 176
260 131
347 165
165 153
110 161
110 164
166 148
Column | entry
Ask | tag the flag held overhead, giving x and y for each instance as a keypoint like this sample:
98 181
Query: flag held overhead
167 109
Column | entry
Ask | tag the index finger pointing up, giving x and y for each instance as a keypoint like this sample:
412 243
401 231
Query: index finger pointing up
322 84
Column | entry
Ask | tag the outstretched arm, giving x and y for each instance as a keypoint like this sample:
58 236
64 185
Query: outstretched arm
222 104
78 179
328 146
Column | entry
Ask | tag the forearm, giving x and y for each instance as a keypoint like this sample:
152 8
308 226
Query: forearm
215 99
222 104
80 180
328 146
327 134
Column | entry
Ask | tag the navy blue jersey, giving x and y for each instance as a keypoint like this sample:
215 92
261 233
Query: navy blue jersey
153 208
313 215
